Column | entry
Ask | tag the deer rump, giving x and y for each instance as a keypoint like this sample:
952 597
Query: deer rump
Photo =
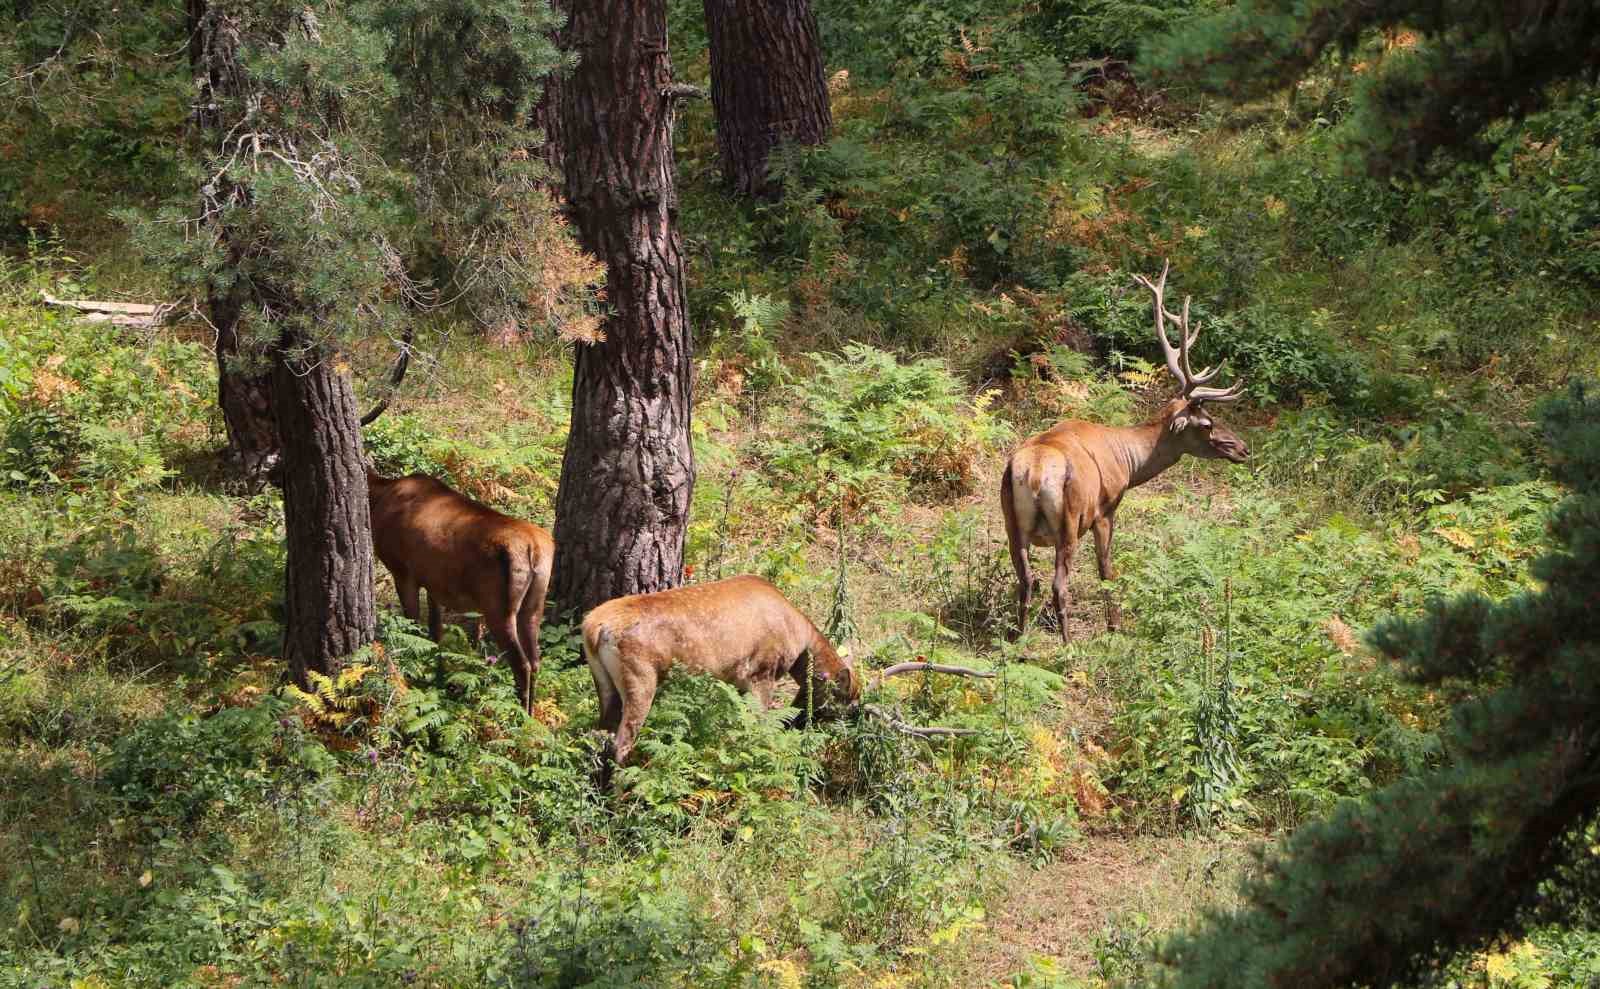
468 557
1033 495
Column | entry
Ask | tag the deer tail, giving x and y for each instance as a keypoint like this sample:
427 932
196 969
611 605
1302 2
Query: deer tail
1008 508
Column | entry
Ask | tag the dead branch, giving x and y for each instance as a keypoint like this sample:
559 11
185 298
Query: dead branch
965 671
906 728
117 313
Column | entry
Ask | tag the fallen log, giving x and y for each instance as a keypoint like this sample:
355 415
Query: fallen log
117 313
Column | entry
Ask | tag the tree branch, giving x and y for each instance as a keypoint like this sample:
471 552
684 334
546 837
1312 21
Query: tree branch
906 728
965 671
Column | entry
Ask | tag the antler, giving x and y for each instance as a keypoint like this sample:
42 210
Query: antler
1178 360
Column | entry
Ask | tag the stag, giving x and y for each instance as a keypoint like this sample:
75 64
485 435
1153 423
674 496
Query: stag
1069 479
468 557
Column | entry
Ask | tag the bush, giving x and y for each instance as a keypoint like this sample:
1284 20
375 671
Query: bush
870 426
84 403
175 768
1280 354
1313 721
708 756
641 932
1082 29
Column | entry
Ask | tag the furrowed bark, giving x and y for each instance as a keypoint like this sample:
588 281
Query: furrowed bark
548 113
245 400
329 611
767 85
628 471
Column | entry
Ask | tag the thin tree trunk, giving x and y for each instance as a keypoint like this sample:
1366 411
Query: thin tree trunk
548 114
245 397
767 85
628 472
329 611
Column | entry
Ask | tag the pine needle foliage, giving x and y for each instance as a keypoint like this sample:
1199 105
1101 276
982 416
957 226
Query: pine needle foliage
339 148
1387 890
1449 70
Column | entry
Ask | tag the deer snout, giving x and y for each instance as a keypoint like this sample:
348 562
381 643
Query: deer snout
1230 448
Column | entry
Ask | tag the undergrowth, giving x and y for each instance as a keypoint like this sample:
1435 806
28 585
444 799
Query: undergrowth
950 273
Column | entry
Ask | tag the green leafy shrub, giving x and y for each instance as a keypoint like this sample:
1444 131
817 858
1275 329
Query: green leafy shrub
203 594
178 768
908 881
707 755
1314 721
871 425
1080 29
635 933
747 348
84 403
464 757
1058 382
400 444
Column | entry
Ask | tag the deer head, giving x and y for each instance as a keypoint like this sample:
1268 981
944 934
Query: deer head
1186 416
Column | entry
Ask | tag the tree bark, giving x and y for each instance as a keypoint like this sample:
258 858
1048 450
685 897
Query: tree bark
623 505
548 113
767 85
245 398
329 611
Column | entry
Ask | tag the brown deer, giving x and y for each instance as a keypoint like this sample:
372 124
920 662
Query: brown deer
1070 478
740 630
469 557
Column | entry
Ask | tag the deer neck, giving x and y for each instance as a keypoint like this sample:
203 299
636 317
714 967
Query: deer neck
1146 451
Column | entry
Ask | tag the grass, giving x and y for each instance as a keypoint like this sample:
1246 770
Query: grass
916 868
174 817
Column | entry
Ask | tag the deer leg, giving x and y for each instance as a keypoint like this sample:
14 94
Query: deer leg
638 689
1060 595
762 687
503 629
797 669
435 619
1104 529
529 616
410 593
610 702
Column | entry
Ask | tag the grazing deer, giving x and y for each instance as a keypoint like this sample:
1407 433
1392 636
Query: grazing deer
469 557
1070 478
740 630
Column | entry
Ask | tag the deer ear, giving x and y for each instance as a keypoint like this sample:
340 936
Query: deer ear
1179 423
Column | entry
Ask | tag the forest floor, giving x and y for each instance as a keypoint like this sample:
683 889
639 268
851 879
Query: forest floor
1071 913
868 352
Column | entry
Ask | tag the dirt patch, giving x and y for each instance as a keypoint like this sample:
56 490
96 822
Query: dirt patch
1057 911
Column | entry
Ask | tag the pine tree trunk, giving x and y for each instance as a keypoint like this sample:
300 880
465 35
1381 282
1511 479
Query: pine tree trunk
329 610
548 113
767 85
623 505
245 398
